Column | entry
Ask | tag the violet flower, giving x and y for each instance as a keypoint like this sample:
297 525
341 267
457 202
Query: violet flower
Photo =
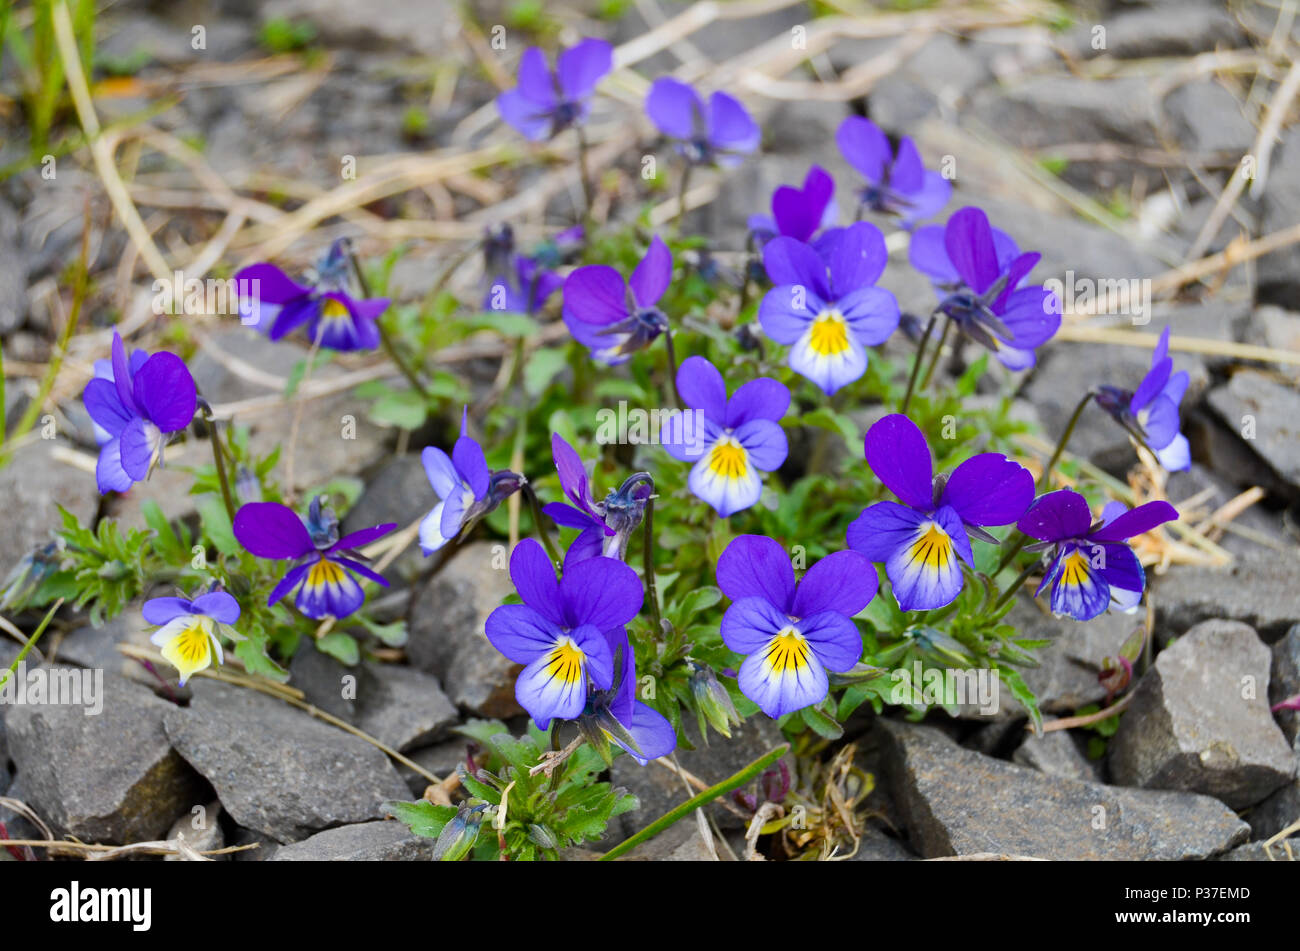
824 304
798 213
919 542
615 714
1150 412
467 489
189 632
546 101
977 271
613 317
897 182
1091 564
605 526
719 133
141 404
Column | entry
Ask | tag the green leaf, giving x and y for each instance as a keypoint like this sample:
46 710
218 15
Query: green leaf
1020 690
423 817
541 368
404 409
216 525
342 647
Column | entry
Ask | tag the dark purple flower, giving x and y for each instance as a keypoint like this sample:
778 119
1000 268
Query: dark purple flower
547 102
467 489
792 632
605 526
919 542
1150 412
730 440
977 272
798 213
566 632
897 182
1091 564
137 407
617 715
613 317
324 563
272 301
824 304
721 133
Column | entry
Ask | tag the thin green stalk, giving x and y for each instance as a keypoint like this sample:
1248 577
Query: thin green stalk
407 371
700 799
681 198
1046 477
31 642
652 589
218 457
584 172
672 366
1015 586
1011 553
540 526
938 352
916 364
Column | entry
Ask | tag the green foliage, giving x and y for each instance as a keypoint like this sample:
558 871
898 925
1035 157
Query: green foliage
279 35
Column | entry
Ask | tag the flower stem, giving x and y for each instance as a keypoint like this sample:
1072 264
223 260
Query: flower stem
584 172
916 364
1011 553
218 457
734 781
1015 586
672 366
539 526
938 352
384 338
31 641
1046 477
652 588
681 197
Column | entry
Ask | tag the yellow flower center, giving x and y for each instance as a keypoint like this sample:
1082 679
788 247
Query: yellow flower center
933 549
333 311
1074 572
787 651
830 334
565 661
728 458
192 644
324 572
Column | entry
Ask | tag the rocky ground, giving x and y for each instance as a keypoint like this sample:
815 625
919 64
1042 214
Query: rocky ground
1110 161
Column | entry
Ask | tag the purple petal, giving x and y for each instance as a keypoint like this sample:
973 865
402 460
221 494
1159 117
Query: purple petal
364 570
843 581
535 79
1121 568
834 637
122 376
520 633
581 67
165 390
781 680
1177 456
287 583
765 442
928 254
528 117
653 734
218 605
674 107
788 261
161 610
688 433
926 573
1056 516
1152 384
989 489
882 529
929 199
272 530
763 398
534 578
750 623
786 311
268 284
1160 422
293 315
1136 522
602 592
856 256
907 174
652 275
864 147
731 127
573 476
872 314
1033 315
595 294
363 537
969 243
440 470
798 213
1078 589
109 474
138 446
105 407
701 387
897 453
470 463
755 566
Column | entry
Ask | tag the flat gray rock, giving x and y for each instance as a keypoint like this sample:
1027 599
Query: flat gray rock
1266 414
1199 720
1260 588
402 707
31 485
110 777
957 802
1056 754
277 770
362 842
1284 683
446 631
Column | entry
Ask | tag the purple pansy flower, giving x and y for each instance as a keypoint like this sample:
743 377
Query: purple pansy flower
566 632
519 283
1150 413
137 407
824 304
897 182
798 213
1091 565
613 317
604 527
730 440
547 102
977 271
190 631
467 489
920 541
721 133
792 632
323 562
617 715
334 318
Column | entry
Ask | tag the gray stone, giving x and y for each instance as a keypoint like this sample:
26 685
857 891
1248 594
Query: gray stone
402 707
680 842
110 777
1274 414
1245 533
441 759
32 484
878 847
395 493
660 790
421 29
1199 720
1279 272
1056 754
446 632
1278 328
1206 117
1284 683
207 837
363 842
1259 852
1137 34
957 802
1279 811
1053 109
320 677
277 770
13 272
1260 588
96 647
